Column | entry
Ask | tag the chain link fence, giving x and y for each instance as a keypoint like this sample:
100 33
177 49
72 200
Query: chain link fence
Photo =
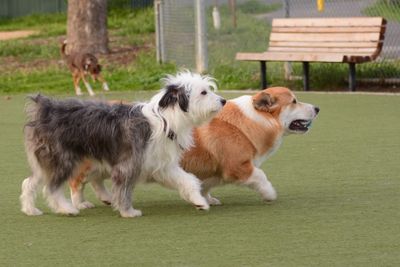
176 32
18 8
244 26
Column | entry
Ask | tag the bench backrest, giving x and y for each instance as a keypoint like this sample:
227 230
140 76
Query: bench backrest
360 37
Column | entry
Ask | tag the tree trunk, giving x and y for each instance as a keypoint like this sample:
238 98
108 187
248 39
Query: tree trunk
87 26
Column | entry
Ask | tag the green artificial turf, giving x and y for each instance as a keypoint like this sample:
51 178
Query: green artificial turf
338 204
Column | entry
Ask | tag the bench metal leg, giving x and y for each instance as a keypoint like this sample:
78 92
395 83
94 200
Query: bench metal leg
306 76
263 67
352 77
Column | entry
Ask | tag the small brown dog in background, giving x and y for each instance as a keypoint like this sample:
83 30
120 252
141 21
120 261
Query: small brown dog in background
82 65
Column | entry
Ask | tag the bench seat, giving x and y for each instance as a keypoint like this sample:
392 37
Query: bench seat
305 56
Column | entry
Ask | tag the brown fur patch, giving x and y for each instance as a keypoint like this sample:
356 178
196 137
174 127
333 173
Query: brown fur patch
76 182
227 146
281 97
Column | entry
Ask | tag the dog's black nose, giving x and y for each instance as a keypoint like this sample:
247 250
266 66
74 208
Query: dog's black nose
223 101
316 110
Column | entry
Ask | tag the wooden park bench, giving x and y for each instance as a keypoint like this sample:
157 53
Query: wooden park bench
337 40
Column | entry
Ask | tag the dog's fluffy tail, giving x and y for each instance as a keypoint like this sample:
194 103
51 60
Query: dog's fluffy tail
36 106
40 99
63 47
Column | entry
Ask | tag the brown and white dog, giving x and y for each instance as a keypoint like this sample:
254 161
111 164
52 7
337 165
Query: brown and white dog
231 148
82 65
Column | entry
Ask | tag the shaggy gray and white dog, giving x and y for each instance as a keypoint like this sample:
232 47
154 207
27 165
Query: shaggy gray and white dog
140 142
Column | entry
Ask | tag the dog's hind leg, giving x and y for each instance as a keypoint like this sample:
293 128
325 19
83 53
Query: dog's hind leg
124 176
57 201
187 184
87 85
100 190
30 185
258 181
54 190
206 186
28 195
77 186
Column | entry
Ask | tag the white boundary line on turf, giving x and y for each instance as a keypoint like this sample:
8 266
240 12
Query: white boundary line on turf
314 92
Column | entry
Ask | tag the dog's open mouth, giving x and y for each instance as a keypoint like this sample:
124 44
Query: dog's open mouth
300 125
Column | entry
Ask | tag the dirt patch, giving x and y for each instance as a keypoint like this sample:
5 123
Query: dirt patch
15 34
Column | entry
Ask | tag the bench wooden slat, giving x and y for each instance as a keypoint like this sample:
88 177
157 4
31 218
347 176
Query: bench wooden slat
322 44
326 37
329 22
269 56
326 29
304 57
344 50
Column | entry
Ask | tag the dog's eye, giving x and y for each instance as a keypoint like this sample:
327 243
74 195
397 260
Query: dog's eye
294 101
204 92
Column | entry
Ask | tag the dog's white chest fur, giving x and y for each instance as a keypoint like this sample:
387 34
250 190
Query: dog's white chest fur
260 159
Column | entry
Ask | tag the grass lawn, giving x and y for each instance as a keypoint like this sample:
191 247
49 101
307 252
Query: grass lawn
35 63
338 203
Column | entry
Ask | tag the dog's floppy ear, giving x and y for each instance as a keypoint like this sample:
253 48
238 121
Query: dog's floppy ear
183 100
264 102
173 95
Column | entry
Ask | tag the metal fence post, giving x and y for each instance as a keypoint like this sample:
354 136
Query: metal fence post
287 66
157 24
201 37
160 44
287 9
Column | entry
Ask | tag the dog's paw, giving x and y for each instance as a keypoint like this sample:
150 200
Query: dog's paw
68 210
85 205
202 205
131 213
270 194
106 199
78 91
213 201
32 212
199 201
107 202
105 87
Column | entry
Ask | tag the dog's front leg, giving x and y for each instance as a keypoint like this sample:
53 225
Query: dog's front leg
187 184
259 182
88 87
103 81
